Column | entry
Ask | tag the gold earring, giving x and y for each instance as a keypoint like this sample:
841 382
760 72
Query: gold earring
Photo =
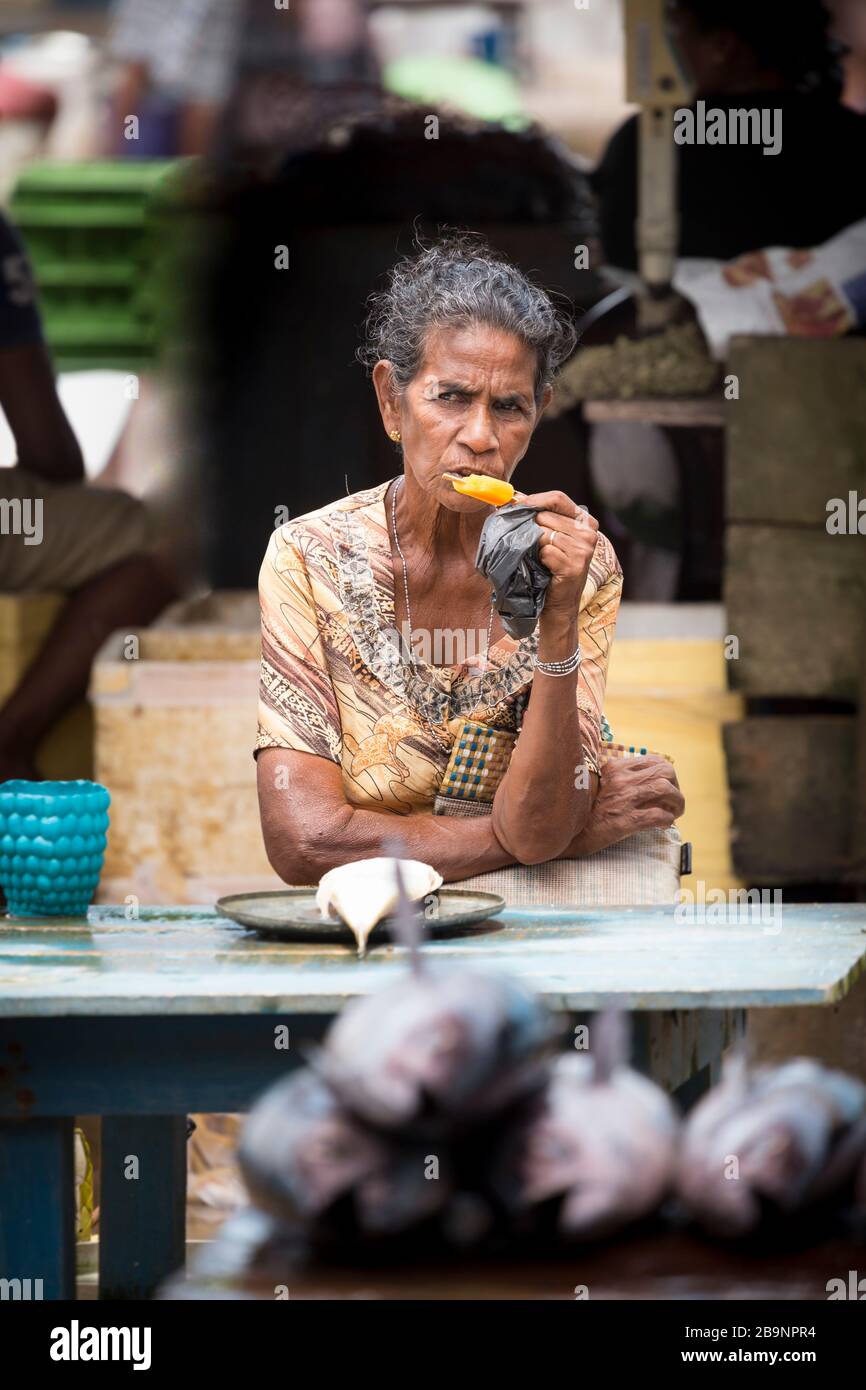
395 435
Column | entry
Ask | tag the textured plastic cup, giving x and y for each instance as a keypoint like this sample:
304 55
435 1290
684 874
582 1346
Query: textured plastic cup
52 844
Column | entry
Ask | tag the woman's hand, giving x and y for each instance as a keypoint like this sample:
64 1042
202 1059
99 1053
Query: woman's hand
634 794
566 548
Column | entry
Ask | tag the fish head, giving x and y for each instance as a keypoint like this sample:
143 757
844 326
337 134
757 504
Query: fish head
607 1143
434 1052
506 1038
387 1052
762 1148
330 1159
781 1144
443 1042
300 1150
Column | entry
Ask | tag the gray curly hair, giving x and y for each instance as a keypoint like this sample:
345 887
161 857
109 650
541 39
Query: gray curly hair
459 281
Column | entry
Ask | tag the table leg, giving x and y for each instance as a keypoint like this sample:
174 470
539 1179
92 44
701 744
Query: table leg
142 1223
37 1206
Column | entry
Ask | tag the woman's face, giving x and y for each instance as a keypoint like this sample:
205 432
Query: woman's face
469 409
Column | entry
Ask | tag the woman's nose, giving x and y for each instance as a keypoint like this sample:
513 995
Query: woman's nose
477 432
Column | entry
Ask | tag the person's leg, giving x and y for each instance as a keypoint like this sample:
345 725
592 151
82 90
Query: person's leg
128 595
96 546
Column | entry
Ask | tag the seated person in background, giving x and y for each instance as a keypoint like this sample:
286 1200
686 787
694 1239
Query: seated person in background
732 197
662 488
354 728
176 60
56 533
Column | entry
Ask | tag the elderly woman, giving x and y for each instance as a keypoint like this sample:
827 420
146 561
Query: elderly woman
488 761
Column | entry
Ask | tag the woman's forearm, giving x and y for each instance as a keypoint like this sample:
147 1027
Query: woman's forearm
456 846
541 805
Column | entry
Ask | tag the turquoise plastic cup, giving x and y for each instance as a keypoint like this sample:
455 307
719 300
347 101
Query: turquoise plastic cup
52 844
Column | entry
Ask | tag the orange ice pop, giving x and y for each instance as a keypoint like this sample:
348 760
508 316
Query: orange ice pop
480 485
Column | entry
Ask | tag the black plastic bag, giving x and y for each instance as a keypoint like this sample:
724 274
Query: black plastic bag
508 557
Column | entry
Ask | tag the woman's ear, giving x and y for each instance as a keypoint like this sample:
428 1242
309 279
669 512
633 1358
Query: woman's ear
546 398
383 383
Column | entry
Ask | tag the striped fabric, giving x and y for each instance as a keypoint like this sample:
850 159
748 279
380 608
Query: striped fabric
641 871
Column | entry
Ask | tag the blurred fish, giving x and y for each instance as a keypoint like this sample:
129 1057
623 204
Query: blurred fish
770 1139
437 1048
602 1140
302 1155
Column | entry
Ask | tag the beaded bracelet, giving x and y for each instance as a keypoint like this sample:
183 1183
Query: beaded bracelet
560 668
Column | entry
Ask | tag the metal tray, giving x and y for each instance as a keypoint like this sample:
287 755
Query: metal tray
291 915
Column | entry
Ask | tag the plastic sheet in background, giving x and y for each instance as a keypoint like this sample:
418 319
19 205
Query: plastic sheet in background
508 557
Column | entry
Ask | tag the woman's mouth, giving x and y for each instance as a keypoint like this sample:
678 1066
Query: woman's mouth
467 470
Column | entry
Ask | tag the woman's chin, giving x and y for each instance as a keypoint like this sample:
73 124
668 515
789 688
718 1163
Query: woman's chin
458 502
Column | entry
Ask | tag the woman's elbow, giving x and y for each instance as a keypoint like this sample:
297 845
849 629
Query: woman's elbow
301 852
540 851
297 862
533 844
286 856
528 847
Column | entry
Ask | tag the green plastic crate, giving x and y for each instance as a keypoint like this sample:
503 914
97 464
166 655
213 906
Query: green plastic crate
93 239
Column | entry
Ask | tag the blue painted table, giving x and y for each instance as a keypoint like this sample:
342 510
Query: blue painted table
142 1021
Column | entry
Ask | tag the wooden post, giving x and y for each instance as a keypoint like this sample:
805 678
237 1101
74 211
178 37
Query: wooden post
142 1203
37 1207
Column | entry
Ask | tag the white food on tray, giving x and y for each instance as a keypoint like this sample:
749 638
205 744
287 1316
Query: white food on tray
364 892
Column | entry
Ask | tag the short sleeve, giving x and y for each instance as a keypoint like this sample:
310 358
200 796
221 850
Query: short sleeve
19 317
597 624
298 707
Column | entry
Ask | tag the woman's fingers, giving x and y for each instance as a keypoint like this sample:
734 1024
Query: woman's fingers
657 791
567 545
658 787
645 766
552 502
644 783
562 553
654 817
672 799
577 523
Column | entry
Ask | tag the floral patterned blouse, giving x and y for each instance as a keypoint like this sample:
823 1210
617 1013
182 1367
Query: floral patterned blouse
334 683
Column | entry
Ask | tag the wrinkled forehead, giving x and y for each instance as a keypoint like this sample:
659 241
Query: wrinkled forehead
478 355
